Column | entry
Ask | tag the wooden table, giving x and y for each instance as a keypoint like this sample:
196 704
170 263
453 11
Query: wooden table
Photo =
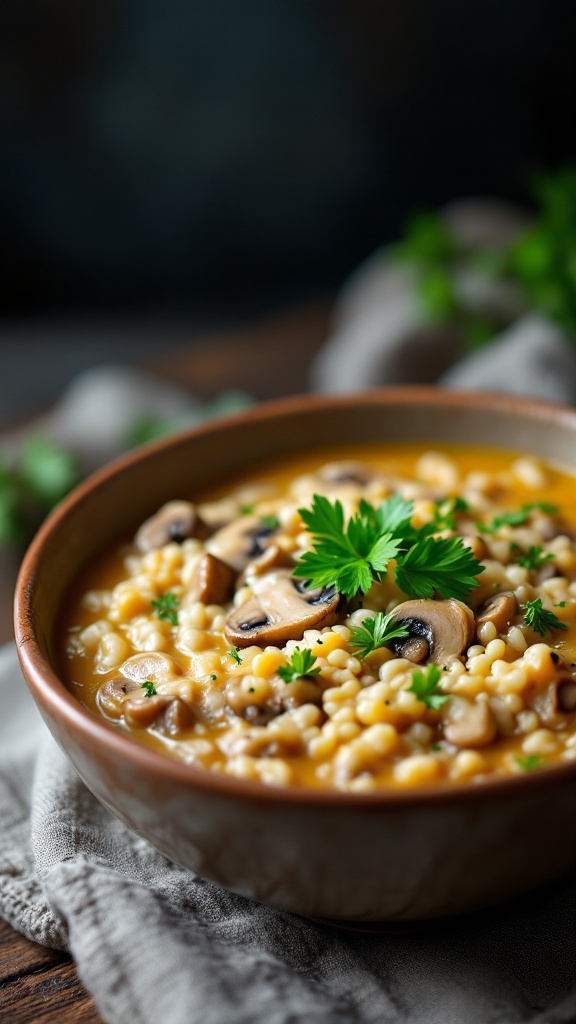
266 359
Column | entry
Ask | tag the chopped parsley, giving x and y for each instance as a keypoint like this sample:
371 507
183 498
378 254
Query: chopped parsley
518 517
540 619
529 763
425 686
235 655
246 510
445 513
376 632
150 689
166 607
534 557
353 555
270 522
300 664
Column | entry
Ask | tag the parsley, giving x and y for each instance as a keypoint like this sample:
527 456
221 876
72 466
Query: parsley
300 664
425 686
352 556
529 763
375 633
517 517
561 604
539 619
270 522
445 514
213 676
235 655
165 607
151 690
534 557
246 510
442 564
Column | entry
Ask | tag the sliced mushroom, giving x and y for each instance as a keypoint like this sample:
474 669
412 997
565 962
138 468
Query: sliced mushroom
212 581
556 701
348 471
240 541
469 725
260 742
273 557
113 695
242 703
499 609
169 714
154 665
436 629
174 521
281 609
301 691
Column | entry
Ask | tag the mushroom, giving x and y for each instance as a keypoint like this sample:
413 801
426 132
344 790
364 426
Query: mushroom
113 694
499 609
174 521
436 629
240 541
154 665
169 714
212 581
273 557
347 472
243 704
556 701
468 724
281 609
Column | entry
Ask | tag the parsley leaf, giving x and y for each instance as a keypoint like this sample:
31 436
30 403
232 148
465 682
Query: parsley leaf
534 557
375 633
350 557
165 607
442 564
270 522
425 686
444 517
235 655
529 763
518 516
149 687
539 619
300 664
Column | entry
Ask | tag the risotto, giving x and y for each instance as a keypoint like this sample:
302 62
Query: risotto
376 617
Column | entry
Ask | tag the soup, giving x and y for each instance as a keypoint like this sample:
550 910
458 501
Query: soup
380 616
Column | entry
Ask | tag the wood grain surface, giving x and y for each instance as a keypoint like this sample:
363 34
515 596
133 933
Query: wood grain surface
266 359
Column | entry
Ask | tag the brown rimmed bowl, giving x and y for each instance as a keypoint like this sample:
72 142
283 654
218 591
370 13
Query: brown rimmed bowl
393 856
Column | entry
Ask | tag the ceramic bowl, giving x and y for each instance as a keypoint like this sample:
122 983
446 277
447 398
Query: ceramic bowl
393 856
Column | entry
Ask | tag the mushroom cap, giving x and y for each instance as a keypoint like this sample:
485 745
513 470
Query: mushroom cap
499 609
281 609
469 724
240 541
174 521
212 581
447 626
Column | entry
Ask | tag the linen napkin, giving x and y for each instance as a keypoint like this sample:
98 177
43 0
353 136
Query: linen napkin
156 943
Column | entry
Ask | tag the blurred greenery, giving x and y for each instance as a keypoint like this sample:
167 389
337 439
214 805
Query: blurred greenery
43 472
542 262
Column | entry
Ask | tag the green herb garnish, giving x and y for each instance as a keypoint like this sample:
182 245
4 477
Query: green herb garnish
149 687
534 557
539 619
235 655
352 556
425 686
166 607
529 763
445 514
246 510
518 517
270 522
300 664
375 633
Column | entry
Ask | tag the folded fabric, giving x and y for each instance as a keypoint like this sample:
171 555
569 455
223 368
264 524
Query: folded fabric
380 335
155 943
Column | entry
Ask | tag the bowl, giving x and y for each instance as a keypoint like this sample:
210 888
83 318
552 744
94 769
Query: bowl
393 856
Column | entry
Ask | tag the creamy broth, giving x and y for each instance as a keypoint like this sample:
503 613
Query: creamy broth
152 636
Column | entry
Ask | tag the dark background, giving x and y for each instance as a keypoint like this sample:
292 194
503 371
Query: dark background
173 162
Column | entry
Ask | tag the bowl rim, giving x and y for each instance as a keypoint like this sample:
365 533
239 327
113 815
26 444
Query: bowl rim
50 692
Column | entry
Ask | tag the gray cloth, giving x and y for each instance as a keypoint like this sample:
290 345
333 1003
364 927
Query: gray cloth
155 943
